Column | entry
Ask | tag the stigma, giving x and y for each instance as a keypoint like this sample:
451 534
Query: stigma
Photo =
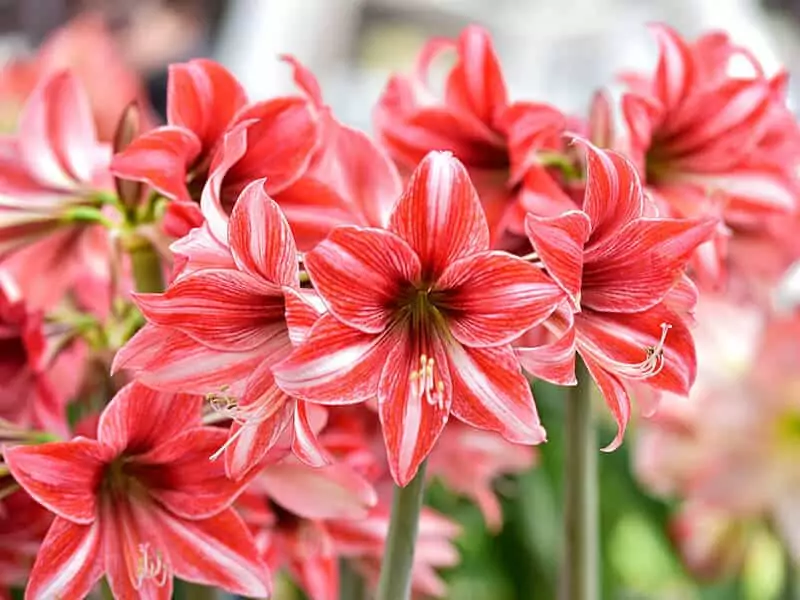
651 365
425 386
150 566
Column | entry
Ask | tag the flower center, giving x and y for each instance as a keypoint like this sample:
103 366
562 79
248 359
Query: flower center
150 566
425 385
652 364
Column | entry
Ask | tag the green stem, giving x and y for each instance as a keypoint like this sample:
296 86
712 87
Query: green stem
791 584
580 575
351 584
195 591
146 265
398 555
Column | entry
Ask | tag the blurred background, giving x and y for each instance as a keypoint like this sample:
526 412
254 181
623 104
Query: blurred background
557 51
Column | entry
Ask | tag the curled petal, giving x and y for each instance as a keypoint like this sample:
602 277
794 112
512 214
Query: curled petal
260 238
635 269
675 71
553 361
203 97
615 396
223 309
161 158
559 242
613 194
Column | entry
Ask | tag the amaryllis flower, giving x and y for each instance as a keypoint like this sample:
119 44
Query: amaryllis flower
345 178
23 524
710 143
53 173
488 455
213 132
350 181
421 316
139 504
618 268
505 147
218 331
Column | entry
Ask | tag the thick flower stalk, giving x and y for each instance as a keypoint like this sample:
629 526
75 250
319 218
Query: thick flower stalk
139 504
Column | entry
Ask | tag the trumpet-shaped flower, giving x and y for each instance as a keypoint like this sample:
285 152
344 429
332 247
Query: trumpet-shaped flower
421 316
218 331
505 146
712 143
140 504
619 269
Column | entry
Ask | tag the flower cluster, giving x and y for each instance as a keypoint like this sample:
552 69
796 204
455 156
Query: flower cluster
341 309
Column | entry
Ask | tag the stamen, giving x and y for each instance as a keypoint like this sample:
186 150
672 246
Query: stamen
652 364
150 565
244 416
424 384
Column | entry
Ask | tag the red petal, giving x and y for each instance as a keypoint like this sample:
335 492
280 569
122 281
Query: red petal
266 413
139 418
475 84
360 172
180 476
281 139
161 158
201 250
412 419
130 534
218 551
61 476
332 492
57 139
304 79
303 309
615 396
490 392
171 360
554 361
305 444
337 365
495 298
559 242
636 268
531 127
68 562
203 97
360 273
440 215
624 338
675 71
613 192
223 309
